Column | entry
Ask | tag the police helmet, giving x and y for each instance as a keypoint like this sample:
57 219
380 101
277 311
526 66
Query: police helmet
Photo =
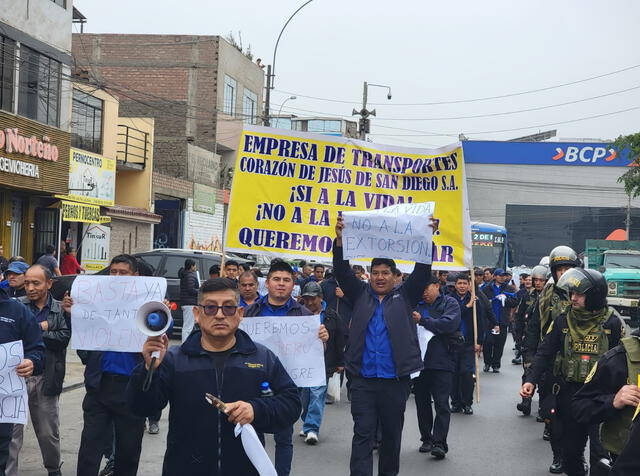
589 282
544 261
563 256
540 272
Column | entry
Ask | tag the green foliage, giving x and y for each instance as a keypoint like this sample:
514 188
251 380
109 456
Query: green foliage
631 178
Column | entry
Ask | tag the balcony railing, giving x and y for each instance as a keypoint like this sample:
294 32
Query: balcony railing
133 146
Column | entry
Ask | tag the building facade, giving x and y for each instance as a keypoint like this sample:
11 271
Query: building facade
199 90
548 193
35 117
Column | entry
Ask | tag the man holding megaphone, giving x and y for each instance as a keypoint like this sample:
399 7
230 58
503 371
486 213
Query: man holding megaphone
223 361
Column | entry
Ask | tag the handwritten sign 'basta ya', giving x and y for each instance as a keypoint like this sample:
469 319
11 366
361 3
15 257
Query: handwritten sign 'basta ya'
294 339
14 401
104 311
400 232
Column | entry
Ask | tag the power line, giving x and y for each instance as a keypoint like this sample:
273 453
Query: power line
486 98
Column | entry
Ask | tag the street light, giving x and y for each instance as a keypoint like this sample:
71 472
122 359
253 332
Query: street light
271 69
290 98
364 114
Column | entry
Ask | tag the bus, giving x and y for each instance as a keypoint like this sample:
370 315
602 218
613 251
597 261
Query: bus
489 245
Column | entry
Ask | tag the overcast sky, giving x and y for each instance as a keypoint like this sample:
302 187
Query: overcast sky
427 52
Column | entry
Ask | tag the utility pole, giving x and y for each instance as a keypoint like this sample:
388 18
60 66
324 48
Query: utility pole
364 123
267 98
628 220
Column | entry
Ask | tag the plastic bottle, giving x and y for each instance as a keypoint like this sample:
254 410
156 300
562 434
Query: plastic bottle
265 390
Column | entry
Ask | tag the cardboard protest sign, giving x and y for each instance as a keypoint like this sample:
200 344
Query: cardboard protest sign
294 339
289 187
14 401
400 232
104 311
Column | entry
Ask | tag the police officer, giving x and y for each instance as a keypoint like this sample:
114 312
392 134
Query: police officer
629 460
611 395
576 340
552 302
539 276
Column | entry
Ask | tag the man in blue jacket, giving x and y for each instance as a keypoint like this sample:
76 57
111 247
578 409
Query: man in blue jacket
503 299
382 353
279 302
222 360
439 314
18 323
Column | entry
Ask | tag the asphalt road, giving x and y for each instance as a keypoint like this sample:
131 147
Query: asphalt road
494 441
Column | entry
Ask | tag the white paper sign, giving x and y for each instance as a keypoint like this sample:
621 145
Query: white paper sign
294 339
254 450
398 232
424 336
104 311
14 401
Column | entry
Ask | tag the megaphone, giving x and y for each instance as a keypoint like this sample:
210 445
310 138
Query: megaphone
153 318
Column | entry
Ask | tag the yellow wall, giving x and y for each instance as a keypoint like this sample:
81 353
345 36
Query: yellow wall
110 112
133 187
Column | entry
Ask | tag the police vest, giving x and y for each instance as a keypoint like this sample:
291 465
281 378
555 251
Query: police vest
614 432
576 359
557 306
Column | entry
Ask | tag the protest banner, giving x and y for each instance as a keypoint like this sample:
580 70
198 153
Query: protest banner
14 401
398 232
104 311
294 339
289 187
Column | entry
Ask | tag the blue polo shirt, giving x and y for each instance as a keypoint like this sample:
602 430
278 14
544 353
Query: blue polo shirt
268 310
377 358
244 304
120 363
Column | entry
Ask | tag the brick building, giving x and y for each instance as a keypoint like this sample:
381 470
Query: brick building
190 85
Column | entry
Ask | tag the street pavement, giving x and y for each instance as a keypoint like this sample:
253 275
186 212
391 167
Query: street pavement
495 441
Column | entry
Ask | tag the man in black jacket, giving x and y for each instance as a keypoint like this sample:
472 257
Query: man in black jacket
44 389
313 398
439 314
382 353
222 360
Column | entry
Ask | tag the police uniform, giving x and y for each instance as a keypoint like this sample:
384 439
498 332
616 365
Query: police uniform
572 359
629 460
593 403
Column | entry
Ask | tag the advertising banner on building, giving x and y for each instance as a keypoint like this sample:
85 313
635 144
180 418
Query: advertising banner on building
95 247
289 188
204 199
92 178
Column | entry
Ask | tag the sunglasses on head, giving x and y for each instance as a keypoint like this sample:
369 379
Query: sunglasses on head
212 310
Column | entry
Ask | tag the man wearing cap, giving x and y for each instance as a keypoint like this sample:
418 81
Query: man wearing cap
503 298
313 398
15 276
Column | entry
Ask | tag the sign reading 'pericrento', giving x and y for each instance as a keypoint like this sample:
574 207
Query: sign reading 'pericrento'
289 188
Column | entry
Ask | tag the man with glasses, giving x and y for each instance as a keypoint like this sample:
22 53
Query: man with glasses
222 360
279 302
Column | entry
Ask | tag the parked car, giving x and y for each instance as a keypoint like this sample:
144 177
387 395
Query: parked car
166 262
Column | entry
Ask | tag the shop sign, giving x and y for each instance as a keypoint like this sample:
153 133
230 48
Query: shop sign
81 212
14 142
19 167
92 178
204 199
95 247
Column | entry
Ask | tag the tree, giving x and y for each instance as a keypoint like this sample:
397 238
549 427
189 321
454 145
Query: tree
631 178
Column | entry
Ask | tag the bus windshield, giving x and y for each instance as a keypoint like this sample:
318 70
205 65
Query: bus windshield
489 249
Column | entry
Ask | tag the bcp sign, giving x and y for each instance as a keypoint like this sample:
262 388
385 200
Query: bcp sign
573 154
586 154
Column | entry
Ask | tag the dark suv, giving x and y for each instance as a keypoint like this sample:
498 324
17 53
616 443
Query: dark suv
166 263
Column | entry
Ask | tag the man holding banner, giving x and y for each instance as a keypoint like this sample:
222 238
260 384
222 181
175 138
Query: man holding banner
383 352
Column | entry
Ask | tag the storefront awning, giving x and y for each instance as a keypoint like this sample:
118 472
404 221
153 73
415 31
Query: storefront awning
82 212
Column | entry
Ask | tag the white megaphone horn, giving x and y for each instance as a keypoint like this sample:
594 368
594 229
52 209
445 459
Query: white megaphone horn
153 318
